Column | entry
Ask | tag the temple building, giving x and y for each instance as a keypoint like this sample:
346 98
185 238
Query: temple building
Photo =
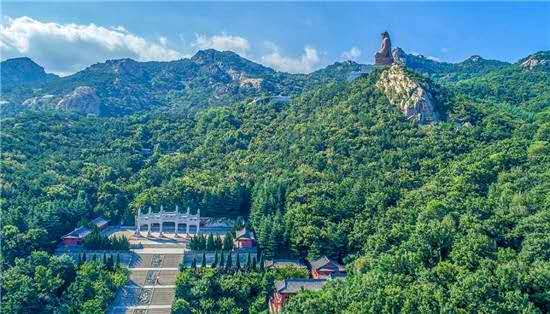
324 268
76 237
245 239
288 287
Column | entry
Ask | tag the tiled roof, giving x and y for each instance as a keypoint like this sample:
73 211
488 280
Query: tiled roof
78 233
244 233
294 285
283 263
83 231
100 221
326 262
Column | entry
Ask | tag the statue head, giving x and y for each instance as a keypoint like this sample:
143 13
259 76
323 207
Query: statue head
385 34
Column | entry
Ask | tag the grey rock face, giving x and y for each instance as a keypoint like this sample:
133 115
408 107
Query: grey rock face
534 62
410 96
82 99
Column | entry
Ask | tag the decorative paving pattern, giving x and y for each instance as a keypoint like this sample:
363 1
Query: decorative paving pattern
151 289
145 296
156 261
151 277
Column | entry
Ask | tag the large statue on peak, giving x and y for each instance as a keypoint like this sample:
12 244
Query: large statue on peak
384 56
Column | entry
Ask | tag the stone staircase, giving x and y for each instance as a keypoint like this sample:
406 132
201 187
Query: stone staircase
152 285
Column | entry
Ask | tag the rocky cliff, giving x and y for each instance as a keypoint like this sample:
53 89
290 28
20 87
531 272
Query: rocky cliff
411 96
83 99
539 60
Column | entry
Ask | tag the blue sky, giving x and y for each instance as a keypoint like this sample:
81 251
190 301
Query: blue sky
65 37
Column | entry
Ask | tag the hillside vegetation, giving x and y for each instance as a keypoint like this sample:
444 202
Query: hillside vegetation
452 216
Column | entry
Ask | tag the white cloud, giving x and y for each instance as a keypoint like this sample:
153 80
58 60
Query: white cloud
353 54
305 63
66 48
222 42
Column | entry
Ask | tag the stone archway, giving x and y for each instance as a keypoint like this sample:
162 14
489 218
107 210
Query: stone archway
182 228
169 227
154 227
168 221
144 227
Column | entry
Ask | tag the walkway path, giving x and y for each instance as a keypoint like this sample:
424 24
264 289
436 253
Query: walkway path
152 285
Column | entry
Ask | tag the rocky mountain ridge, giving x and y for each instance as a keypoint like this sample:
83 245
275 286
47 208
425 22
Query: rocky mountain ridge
18 71
211 78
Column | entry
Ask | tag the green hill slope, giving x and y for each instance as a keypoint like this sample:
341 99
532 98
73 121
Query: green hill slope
444 216
209 78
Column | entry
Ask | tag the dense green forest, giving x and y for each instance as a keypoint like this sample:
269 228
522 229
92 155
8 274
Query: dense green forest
447 217
222 289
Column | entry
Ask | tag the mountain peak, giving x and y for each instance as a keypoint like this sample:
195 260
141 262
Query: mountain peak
475 58
537 60
22 70
213 55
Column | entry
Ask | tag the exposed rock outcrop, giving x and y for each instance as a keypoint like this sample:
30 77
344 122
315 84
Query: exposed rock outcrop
412 97
539 60
40 102
82 99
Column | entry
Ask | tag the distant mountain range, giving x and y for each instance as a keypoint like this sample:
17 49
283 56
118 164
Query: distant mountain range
209 78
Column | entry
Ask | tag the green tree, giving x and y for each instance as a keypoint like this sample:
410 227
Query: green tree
228 242
210 245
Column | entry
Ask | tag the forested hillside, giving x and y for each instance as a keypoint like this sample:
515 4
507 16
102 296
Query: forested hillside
452 216
125 86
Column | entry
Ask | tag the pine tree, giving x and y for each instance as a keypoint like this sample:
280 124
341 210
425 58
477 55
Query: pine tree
218 243
228 242
229 263
248 262
203 263
210 245
202 242
264 236
110 263
104 260
262 263
79 260
254 262
94 257
117 264
194 263
84 257
238 264
215 263
277 237
222 261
